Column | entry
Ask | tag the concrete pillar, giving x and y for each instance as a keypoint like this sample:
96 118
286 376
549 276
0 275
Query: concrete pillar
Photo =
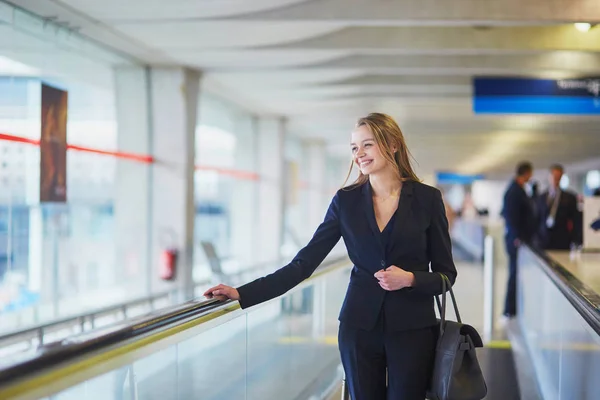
154 205
295 204
174 104
271 134
244 203
40 259
133 181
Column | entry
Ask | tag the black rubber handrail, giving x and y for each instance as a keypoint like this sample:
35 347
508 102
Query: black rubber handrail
584 299
81 316
53 354
85 316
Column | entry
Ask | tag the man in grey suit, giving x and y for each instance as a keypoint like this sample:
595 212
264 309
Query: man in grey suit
558 214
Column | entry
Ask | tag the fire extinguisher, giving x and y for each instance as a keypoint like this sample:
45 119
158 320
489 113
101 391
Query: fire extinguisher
168 262
168 265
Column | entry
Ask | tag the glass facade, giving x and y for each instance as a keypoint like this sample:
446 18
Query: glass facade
57 258
226 184
102 246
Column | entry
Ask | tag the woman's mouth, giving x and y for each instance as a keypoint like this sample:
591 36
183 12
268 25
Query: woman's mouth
365 163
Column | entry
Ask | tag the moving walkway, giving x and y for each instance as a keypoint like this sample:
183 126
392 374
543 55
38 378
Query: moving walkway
287 348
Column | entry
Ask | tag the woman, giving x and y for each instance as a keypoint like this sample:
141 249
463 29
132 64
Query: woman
393 227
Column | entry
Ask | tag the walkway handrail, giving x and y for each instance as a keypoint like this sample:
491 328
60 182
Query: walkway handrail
37 331
61 351
584 299
70 356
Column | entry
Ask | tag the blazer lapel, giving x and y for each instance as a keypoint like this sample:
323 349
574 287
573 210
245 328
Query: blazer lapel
370 211
403 211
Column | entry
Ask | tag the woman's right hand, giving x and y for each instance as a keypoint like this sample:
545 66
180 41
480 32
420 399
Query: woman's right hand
222 292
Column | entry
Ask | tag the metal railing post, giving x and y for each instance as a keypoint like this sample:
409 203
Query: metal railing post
488 288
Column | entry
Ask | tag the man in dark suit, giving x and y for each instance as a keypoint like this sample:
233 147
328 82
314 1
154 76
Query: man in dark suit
557 211
518 214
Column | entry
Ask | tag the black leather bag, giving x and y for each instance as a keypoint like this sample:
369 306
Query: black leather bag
456 372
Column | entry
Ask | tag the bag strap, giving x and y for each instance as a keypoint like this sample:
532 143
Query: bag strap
458 319
442 307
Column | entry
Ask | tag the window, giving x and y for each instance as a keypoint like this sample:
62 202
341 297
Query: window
225 188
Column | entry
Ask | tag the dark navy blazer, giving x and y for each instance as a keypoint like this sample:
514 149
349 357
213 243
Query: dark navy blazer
419 238
518 214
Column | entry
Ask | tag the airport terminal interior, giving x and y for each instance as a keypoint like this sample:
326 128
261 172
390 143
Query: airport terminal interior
151 149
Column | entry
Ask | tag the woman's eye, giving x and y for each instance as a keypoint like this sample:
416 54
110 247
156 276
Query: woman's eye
368 145
354 149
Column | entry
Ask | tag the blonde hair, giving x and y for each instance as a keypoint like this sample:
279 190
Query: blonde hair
388 136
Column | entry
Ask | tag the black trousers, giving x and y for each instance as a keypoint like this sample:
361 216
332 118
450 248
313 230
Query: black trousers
406 356
510 302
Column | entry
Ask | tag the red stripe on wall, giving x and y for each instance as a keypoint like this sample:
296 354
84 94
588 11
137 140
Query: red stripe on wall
238 174
18 139
235 173
118 154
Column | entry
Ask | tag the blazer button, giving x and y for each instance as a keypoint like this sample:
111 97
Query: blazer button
383 263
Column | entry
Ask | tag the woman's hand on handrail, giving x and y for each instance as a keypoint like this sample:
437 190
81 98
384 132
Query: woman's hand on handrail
222 292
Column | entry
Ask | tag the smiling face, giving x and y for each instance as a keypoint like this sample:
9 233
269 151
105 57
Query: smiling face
366 152
378 145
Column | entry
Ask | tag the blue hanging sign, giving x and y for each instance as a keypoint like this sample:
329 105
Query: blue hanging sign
495 95
455 178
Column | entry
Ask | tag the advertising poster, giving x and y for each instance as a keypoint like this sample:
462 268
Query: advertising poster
53 146
591 223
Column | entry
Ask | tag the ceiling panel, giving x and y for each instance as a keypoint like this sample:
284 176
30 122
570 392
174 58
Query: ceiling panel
577 62
140 10
245 60
180 35
436 12
415 40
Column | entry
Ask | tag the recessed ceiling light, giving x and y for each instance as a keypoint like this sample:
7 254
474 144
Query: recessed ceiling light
583 26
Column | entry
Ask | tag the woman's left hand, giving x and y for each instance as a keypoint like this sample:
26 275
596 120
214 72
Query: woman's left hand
394 278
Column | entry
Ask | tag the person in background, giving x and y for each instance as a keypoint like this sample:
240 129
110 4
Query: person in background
557 211
518 213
